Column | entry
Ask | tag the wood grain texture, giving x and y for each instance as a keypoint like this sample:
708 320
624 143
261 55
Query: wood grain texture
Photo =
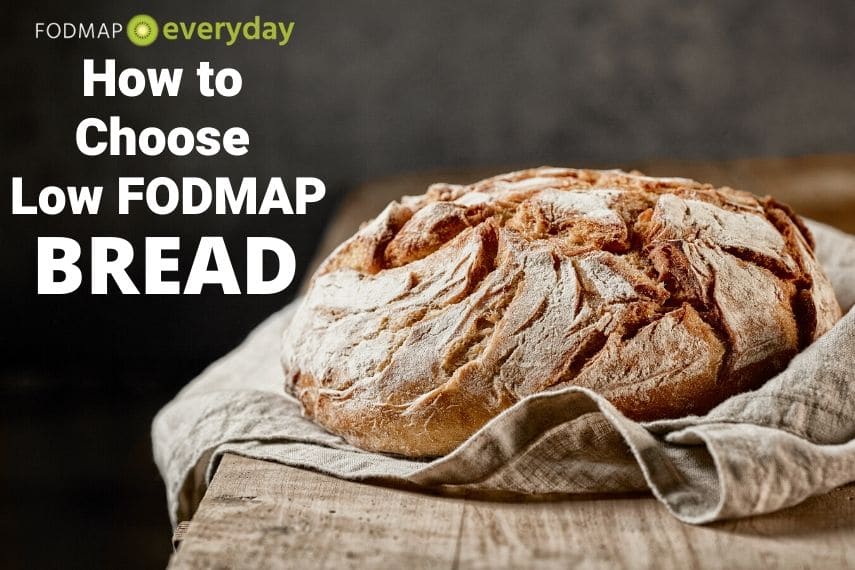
639 533
258 514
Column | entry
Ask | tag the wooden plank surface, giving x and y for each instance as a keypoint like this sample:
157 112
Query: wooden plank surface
258 514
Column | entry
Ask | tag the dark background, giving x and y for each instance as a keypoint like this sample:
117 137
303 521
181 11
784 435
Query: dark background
364 89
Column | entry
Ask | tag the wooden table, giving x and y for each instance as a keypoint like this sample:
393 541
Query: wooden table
257 514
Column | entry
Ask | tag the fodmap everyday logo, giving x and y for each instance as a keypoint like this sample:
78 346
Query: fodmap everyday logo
143 30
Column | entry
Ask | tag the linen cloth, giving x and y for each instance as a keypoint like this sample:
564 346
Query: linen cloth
756 452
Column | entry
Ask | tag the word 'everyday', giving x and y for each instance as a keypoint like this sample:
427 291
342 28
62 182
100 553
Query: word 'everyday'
254 29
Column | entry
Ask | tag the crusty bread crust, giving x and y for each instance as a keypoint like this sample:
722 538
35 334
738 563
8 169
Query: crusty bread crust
663 294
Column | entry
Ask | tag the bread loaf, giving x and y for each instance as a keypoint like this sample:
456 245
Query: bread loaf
665 295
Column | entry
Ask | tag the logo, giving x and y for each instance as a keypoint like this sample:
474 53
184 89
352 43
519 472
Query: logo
142 30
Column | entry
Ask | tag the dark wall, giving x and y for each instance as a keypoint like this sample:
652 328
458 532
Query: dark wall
364 89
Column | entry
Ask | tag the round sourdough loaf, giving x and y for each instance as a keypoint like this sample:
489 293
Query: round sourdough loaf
663 294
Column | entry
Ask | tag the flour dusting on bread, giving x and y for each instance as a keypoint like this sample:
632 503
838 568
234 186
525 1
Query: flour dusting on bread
664 294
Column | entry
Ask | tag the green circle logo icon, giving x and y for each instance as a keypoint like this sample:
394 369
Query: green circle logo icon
142 30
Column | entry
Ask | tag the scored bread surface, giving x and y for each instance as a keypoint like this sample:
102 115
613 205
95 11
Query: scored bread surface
665 295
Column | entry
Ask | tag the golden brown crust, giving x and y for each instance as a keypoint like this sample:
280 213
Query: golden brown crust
664 294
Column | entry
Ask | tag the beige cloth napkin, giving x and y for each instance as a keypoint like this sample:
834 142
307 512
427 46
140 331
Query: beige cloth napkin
755 453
